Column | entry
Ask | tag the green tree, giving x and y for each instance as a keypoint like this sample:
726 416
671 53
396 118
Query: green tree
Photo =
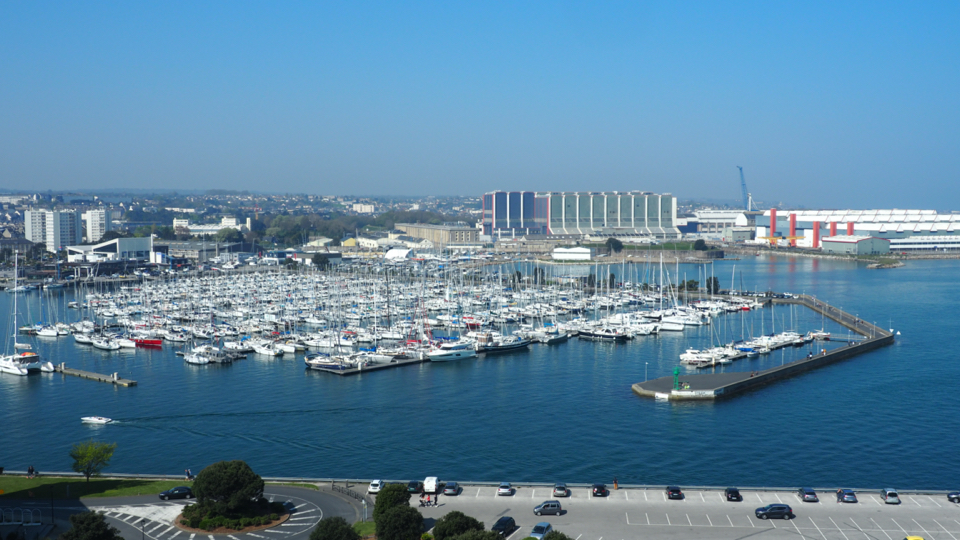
614 245
91 457
713 285
227 486
390 496
454 524
334 528
320 260
228 235
90 526
556 535
399 523
478 535
700 245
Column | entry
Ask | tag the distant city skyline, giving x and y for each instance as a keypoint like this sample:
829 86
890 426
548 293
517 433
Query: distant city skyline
825 105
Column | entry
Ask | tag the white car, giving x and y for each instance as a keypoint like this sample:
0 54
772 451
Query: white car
375 486
505 489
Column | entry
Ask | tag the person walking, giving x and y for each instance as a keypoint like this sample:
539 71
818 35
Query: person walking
30 471
615 485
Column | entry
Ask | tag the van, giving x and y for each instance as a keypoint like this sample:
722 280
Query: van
431 484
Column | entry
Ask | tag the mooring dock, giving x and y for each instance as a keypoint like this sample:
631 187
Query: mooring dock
374 367
112 378
718 385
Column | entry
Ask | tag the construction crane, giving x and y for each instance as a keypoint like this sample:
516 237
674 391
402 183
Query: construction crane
743 190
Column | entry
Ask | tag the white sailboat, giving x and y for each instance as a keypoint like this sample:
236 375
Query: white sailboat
25 362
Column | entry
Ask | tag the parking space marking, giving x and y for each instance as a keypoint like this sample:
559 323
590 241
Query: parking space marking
701 497
478 492
818 527
255 535
627 495
915 501
176 534
150 531
688 520
628 517
648 518
839 529
935 502
664 495
772 523
644 495
730 520
532 491
232 537
880 528
945 529
898 525
192 535
710 521
859 528
668 519
925 533
758 497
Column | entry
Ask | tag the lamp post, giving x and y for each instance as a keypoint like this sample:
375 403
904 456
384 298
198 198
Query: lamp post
645 364
141 527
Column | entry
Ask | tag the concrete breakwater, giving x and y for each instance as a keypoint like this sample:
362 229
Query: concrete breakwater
721 385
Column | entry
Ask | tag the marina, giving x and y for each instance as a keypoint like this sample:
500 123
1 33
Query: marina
112 378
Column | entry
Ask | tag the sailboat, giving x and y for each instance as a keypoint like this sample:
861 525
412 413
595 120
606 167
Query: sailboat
25 362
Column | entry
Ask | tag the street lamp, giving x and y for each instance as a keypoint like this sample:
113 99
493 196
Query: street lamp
645 364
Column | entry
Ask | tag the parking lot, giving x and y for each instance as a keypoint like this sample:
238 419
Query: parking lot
636 513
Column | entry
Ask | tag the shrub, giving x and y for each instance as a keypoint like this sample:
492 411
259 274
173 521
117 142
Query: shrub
426 536
454 524
195 522
399 523
274 517
391 496
334 528
227 486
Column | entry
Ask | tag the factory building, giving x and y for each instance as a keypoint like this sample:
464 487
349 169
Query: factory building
808 227
856 245
634 213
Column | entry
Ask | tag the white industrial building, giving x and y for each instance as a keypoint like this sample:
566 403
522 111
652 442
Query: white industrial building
53 228
573 253
856 245
809 226
118 249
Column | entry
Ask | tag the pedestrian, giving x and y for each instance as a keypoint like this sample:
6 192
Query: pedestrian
188 474
30 471
615 485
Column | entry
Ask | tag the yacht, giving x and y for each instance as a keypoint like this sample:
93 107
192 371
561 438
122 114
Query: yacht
446 355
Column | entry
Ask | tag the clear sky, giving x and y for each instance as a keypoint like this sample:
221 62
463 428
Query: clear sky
824 104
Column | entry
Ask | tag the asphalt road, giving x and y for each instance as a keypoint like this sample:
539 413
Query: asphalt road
147 517
628 514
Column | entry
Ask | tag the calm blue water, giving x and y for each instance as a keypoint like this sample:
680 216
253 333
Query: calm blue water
566 413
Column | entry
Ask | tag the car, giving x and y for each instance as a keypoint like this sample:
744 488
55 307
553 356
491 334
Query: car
846 495
733 494
560 490
889 496
540 530
375 486
179 492
431 484
954 496
807 495
774 511
504 526
415 486
505 489
548 507
451 488
673 492
600 490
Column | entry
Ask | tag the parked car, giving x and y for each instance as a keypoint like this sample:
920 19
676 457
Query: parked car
540 530
375 486
179 492
415 486
600 490
954 496
560 490
505 489
807 495
504 526
548 507
890 496
774 511
673 492
451 488
431 484
846 495
733 494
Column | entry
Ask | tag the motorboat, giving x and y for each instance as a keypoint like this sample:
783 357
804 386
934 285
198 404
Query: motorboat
447 355
96 420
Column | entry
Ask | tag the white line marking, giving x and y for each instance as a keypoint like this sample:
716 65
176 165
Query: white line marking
880 528
777 495
276 532
701 497
578 537
730 520
233 537
818 527
627 495
478 492
256 535
772 523
192 535
664 495
210 536
758 497
291 524
176 534
925 533
648 518
898 525
915 502
127 519
752 524
668 519
532 491
710 521
935 502
644 495
628 518
839 529
688 520
945 529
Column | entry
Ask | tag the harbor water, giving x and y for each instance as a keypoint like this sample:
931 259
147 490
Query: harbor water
553 413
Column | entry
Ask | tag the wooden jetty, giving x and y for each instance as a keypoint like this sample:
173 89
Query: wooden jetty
373 367
112 378
719 385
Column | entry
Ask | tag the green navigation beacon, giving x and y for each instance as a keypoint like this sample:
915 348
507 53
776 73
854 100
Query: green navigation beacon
676 378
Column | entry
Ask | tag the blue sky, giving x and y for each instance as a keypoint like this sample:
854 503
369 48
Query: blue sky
824 104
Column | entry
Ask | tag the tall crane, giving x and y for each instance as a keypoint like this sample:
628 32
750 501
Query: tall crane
747 202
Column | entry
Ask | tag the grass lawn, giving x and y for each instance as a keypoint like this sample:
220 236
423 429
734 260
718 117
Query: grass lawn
365 528
47 487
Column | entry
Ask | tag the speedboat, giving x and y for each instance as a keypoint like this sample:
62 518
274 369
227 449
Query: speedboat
446 355
96 420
